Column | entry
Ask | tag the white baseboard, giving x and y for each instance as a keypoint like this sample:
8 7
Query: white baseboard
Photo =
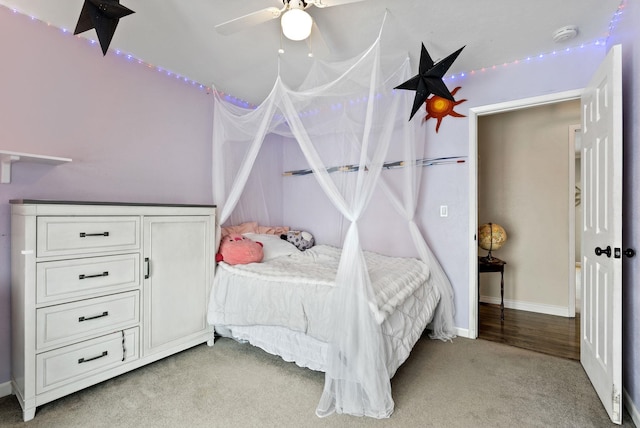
5 389
463 332
631 408
561 311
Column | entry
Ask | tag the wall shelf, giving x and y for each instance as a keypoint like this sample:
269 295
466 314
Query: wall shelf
7 158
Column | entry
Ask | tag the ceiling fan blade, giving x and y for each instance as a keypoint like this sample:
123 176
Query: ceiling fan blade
329 3
255 18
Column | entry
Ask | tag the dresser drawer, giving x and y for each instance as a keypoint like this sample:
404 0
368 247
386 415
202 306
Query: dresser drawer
73 363
78 278
58 236
60 324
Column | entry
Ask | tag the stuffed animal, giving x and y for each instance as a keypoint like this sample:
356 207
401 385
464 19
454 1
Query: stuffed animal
237 249
302 240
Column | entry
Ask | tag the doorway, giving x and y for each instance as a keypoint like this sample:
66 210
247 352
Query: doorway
514 300
526 183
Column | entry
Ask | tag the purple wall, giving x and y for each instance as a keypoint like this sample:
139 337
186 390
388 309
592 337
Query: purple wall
627 33
134 134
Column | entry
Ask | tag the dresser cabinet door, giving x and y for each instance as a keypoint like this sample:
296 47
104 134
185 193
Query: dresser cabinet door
177 259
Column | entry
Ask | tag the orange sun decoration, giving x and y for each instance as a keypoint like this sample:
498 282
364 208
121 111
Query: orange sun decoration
438 108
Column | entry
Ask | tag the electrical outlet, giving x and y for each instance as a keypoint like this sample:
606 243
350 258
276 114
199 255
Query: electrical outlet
444 211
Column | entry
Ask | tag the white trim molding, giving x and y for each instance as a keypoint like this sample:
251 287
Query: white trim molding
5 389
463 332
631 408
541 308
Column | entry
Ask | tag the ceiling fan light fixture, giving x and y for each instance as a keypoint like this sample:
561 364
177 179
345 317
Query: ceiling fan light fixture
296 24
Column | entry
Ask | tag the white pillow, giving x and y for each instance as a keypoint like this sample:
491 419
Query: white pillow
272 245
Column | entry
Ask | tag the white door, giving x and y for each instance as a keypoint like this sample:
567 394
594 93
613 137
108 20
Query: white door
601 332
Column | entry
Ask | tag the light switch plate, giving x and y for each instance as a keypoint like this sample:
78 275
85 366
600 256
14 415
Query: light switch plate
444 211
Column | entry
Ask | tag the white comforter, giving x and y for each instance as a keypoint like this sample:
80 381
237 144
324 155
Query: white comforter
293 291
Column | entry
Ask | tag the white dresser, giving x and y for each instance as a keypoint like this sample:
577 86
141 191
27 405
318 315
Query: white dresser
99 289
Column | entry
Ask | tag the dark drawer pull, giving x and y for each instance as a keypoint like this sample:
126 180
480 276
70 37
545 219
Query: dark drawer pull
93 276
84 235
86 360
104 314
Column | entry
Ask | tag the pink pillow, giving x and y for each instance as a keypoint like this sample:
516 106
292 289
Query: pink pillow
236 249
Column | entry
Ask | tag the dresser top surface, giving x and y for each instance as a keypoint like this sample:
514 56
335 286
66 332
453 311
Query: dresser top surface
120 204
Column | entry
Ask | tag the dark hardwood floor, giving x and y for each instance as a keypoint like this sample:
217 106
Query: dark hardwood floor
548 334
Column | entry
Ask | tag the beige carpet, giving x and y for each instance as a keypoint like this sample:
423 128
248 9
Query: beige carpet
467 383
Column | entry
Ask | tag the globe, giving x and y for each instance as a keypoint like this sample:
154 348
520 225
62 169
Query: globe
491 237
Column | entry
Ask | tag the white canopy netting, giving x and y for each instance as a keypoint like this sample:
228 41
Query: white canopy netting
345 117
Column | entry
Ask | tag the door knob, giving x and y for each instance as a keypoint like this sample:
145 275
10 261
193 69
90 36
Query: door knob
629 252
607 251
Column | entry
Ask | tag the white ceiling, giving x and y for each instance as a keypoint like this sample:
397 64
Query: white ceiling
179 35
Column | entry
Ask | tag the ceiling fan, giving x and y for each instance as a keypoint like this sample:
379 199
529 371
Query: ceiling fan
296 22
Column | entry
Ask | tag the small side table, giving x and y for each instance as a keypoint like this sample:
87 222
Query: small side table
493 265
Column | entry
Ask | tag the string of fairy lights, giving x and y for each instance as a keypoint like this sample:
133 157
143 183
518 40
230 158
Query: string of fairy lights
599 42
453 77
132 58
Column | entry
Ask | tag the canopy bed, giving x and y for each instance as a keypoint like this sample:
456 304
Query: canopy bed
339 310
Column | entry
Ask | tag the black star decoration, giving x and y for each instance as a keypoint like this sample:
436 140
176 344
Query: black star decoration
103 15
429 79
